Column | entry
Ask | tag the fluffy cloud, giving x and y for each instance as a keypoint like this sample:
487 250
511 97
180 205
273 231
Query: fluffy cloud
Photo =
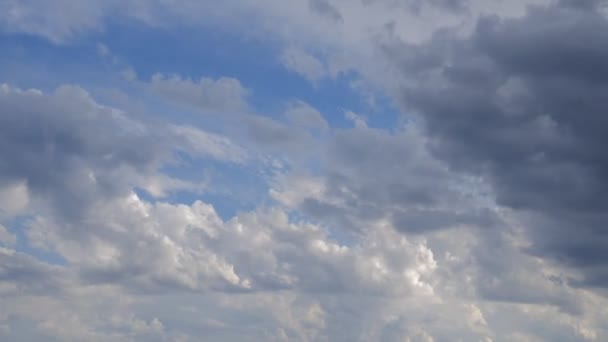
112 238
479 218
295 276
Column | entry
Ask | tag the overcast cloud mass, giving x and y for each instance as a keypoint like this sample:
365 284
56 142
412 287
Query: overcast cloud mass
303 170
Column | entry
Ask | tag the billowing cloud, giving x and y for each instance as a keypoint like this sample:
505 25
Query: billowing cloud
197 206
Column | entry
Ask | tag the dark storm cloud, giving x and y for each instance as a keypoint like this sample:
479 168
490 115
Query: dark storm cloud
524 102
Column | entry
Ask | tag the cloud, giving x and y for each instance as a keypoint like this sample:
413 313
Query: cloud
46 138
50 138
373 175
14 198
122 246
520 103
57 22
222 95
325 8
6 237
304 64
165 247
304 115
357 119
196 141
21 273
477 217
112 236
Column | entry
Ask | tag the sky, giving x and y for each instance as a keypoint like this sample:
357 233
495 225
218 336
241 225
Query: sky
303 170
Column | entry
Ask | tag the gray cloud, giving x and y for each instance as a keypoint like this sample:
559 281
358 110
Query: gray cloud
373 174
23 274
418 5
403 245
325 8
68 148
522 103
65 148
224 95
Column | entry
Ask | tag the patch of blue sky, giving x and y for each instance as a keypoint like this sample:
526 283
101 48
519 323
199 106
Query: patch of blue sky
33 62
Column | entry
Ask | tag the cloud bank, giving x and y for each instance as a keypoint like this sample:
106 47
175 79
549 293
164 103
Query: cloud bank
389 171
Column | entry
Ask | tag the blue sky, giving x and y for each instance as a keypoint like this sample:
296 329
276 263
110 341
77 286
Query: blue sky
305 170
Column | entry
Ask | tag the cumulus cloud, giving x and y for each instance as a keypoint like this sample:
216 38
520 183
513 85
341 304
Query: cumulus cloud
131 247
113 238
477 216
164 248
